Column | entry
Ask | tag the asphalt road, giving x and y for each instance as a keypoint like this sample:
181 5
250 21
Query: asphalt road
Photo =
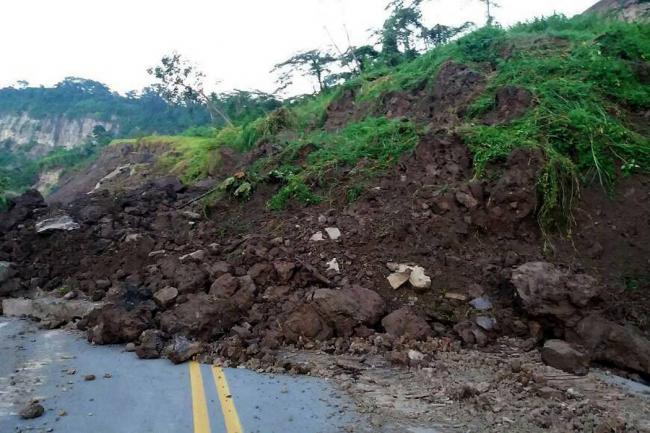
133 396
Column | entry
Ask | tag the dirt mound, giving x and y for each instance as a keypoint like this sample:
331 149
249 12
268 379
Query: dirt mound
247 281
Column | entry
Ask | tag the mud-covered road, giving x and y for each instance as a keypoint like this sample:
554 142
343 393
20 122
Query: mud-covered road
128 395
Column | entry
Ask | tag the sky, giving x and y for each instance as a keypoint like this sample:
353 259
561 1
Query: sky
235 42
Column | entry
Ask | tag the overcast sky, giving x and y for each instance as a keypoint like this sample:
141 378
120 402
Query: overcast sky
234 41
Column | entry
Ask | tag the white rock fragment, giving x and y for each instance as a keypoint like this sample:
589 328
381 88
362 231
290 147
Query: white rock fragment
416 356
333 233
317 237
63 223
195 256
418 279
403 273
333 265
397 279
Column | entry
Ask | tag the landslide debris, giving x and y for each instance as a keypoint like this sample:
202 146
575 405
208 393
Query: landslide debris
420 240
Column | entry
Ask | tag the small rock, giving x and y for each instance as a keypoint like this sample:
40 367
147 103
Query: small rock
165 297
333 265
418 279
485 322
456 296
102 284
415 356
466 200
550 393
397 280
317 237
482 304
130 347
32 410
107 375
333 233
89 377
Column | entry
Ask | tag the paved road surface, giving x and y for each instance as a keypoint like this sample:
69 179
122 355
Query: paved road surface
152 396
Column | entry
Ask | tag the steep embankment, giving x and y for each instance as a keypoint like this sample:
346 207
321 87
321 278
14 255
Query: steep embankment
40 136
495 187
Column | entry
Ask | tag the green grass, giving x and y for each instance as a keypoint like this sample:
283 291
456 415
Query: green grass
361 148
581 73
190 158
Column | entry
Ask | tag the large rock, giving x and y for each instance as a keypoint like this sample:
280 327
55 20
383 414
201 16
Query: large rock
59 223
186 277
49 309
201 317
546 290
611 343
152 343
116 323
181 350
561 355
406 323
348 308
20 209
166 296
305 322
6 271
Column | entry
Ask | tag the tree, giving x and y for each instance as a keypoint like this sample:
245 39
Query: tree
441 34
399 31
180 82
490 4
359 58
313 63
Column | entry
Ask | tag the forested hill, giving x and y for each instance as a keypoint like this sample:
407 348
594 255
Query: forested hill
78 98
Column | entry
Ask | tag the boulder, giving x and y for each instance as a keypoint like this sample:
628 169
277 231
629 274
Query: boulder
201 317
306 322
611 343
181 350
561 355
546 290
348 308
32 410
471 333
59 223
261 273
165 297
225 286
285 270
152 343
406 323
20 209
6 271
186 277
115 324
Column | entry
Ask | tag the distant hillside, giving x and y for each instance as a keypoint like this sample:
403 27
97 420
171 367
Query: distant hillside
64 115
630 10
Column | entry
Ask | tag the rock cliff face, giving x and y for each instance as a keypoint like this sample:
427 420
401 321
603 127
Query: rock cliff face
48 133
629 10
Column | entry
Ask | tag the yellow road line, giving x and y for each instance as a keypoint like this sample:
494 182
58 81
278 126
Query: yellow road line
199 405
227 404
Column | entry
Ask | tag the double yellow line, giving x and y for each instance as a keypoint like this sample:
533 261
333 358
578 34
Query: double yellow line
200 405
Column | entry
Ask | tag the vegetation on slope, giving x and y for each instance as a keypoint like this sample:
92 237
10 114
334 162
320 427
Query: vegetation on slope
584 74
